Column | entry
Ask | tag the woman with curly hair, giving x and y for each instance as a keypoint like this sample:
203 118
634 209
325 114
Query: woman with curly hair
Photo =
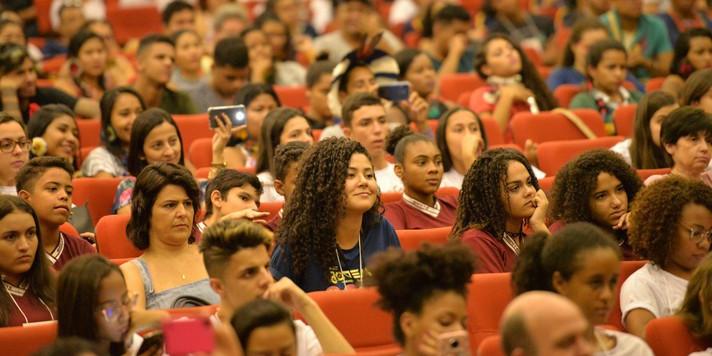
696 309
426 291
671 226
331 225
686 136
419 165
596 187
584 270
643 150
500 198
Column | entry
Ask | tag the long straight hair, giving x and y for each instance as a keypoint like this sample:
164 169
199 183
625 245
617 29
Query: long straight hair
644 153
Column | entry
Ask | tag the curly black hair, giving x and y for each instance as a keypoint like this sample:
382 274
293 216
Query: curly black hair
657 211
317 204
480 204
406 281
576 182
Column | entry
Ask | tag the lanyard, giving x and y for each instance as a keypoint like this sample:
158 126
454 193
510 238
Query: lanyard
360 265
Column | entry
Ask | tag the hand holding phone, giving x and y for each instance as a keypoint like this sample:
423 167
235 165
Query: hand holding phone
455 343
235 113
395 92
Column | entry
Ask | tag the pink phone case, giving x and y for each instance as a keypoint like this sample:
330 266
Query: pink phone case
188 335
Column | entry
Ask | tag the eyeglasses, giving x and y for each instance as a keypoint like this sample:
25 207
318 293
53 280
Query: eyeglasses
698 235
8 145
113 311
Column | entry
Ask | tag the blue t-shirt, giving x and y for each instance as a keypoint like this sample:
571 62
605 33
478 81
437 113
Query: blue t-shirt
569 75
376 238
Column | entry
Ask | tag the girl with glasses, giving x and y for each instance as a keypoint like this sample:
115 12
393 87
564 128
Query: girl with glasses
14 152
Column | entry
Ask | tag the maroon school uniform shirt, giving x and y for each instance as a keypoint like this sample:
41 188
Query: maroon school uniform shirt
68 248
25 307
273 223
493 255
404 215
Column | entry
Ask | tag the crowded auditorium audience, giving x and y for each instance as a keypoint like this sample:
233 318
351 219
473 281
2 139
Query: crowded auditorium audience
309 177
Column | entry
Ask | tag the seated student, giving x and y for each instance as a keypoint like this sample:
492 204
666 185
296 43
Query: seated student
499 203
119 108
544 323
426 291
597 187
606 70
670 226
568 263
416 68
695 308
119 68
231 195
282 125
71 18
169 273
419 165
278 36
318 82
643 36
46 184
364 120
20 90
53 132
693 52
287 160
686 136
461 139
94 304
513 84
229 21
178 15
336 182
228 74
27 295
14 152
643 150
11 32
449 50
682 16
265 327
85 75
573 68
697 91
155 57
236 256
187 72
264 66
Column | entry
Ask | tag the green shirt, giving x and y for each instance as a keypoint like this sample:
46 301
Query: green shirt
176 102
594 99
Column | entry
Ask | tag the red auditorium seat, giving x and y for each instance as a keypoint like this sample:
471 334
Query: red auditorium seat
97 193
411 240
654 84
627 268
193 127
645 173
89 131
26 340
42 8
669 336
292 96
546 184
493 131
111 240
491 346
451 85
390 197
200 152
134 21
488 296
564 93
271 207
555 154
624 119
553 126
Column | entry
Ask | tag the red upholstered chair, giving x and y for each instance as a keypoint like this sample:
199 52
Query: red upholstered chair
271 207
83 154
54 64
669 336
654 84
26 340
111 240
363 324
547 183
488 296
448 192
645 173
120 261
97 193
68 229
193 127
292 96
627 268
564 93
464 98
134 21
491 346
201 311
451 85
411 240
624 119
201 152
553 126
202 173
390 197
89 131
316 134
493 131
555 154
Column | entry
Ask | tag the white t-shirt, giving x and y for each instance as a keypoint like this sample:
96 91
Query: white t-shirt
268 191
387 179
626 345
623 148
452 178
654 290
8 190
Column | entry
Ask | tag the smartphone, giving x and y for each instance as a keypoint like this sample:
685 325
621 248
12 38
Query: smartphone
188 335
398 91
236 113
455 343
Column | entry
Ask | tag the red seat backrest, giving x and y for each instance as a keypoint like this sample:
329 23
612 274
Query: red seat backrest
553 126
111 240
345 308
654 84
669 336
564 93
624 119
451 85
201 311
493 131
201 152
488 296
68 229
134 21
555 154
411 240
26 340
627 268
89 131
491 346
546 184
97 193
271 207
192 127
390 197
645 173
292 96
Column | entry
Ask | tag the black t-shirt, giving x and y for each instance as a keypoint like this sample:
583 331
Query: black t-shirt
45 96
